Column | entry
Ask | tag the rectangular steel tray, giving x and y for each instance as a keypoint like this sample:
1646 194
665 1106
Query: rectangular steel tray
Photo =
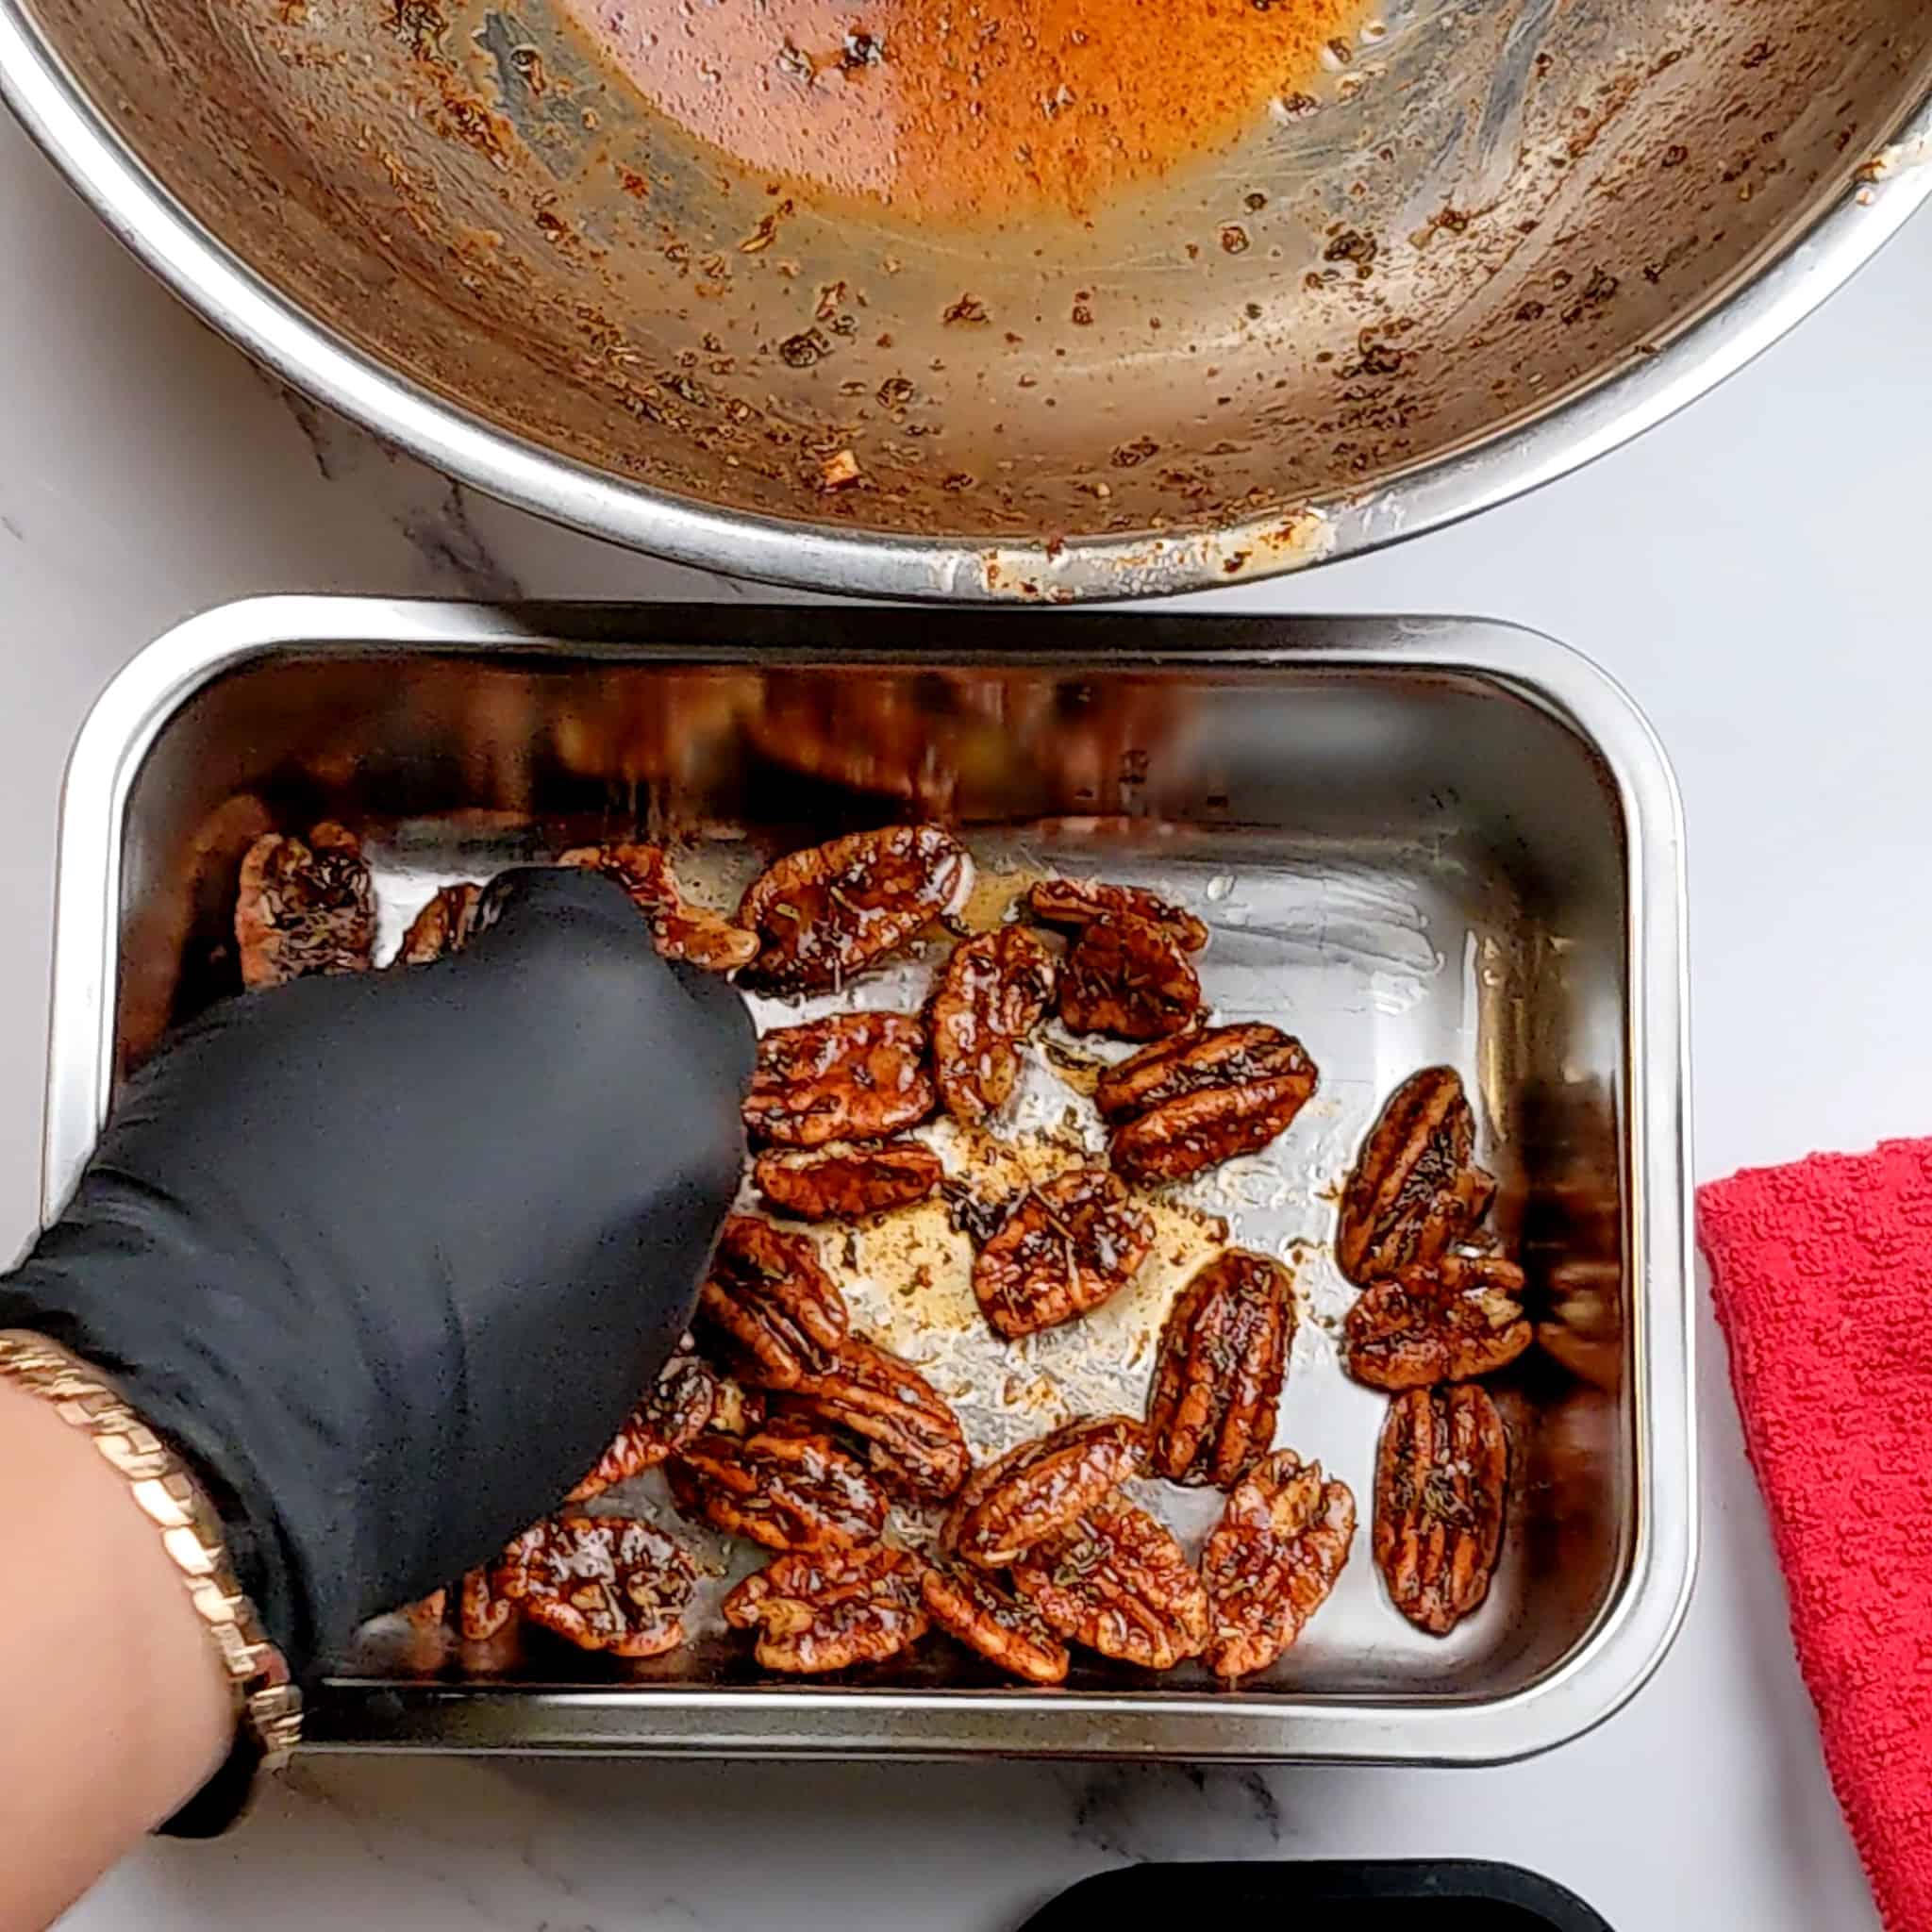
1417 840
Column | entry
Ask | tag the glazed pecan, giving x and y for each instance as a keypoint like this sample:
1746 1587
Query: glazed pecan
1416 1189
1072 1244
830 1610
604 1582
787 1490
1126 978
479 1612
969 1604
1442 1480
678 1409
444 925
1217 1379
916 1446
780 1315
1078 903
1444 1321
826 914
838 1186
854 1077
1272 1561
304 907
1119 1583
989 998
680 930
1037 1490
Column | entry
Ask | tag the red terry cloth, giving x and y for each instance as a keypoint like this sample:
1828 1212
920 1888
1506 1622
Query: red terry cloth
1823 1276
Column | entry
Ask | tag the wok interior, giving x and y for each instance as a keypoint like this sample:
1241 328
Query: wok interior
1485 206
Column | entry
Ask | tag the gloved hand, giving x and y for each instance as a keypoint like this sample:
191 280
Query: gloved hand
390 1256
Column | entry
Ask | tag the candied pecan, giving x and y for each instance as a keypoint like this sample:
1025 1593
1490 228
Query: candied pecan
854 1077
1272 1561
604 1582
989 998
824 914
969 1604
1128 979
680 930
478 1612
1441 1480
444 925
917 1447
1181 1106
1217 1380
1037 1490
788 1492
845 1186
831 1609
1416 1189
1072 1244
1444 1321
304 907
426 1612
678 1409
1119 1583
1077 903
780 1314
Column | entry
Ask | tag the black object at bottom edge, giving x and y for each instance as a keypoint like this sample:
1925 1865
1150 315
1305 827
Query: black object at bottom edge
1327 1895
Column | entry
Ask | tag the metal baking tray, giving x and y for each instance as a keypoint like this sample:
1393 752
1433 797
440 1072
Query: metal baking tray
1416 840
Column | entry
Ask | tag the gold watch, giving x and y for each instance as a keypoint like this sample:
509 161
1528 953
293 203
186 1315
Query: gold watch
268 1703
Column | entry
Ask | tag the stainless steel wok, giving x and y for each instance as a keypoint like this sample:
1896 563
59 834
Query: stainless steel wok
1510 234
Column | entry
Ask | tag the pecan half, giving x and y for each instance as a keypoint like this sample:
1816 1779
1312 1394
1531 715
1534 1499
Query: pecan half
1077 903
1272 1561
788 1492
304 906
444 925
1416 1189
675 1412
854 1077
989 998
1181 1106
1119 1583
1217 1379
917 1447
969 1604
479 1613
1444 1321
780 1315
680 930
604 1582
828 1611
1441 1480
1037 1490
1072 1244
845 1186
1126 978
826 914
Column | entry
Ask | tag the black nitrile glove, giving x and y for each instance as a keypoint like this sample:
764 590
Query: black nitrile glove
390 1256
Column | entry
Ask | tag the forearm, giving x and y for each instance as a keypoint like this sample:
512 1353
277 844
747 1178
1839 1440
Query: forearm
113 1705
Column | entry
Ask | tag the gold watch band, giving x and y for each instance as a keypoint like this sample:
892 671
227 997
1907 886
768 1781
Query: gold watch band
268 1702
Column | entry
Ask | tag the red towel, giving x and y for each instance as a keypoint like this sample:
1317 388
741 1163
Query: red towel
1823 1276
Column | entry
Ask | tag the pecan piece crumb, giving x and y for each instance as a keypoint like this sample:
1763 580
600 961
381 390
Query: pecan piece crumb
1272 1561
853 1076
989 998
1071 1243
1442 1480
1416 1189
1038 1488
849 1184
1217 1379
1117 1582
831 1610
604 1582
1128 979
1446 1320
1007 1631
304 907
789 1491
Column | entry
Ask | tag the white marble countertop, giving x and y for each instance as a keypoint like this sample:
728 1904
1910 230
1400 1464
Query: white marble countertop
1753 572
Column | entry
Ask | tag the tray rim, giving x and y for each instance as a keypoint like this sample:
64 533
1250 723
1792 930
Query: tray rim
1607 1666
